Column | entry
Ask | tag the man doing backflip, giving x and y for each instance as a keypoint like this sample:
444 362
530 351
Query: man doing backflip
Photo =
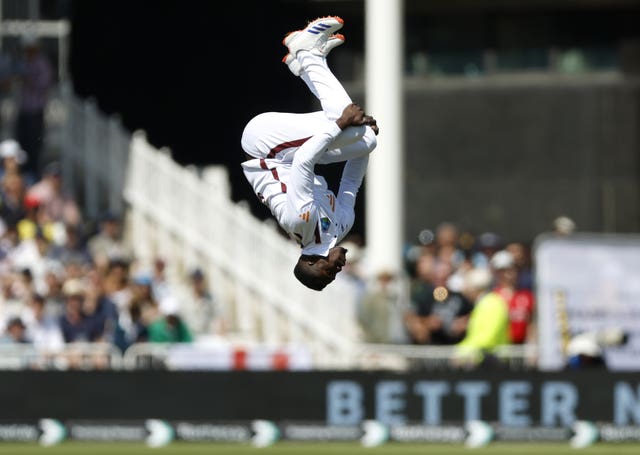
283 148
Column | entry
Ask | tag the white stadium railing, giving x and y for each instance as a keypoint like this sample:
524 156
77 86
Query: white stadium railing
226 356
76 356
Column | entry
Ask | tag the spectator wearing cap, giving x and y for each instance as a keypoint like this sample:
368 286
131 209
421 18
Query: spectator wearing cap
488 326
519 301
170 327
12 159
15 333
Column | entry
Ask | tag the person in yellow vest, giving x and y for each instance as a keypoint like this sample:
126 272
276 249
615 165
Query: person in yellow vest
488 326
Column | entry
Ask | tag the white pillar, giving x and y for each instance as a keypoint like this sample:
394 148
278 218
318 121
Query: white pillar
384 50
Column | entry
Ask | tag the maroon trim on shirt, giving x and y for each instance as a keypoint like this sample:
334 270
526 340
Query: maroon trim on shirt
316 233
286 145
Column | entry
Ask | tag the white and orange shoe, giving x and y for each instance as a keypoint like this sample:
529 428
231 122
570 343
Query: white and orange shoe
314 36
332 42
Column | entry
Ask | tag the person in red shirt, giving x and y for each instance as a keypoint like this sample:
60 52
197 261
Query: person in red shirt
520 301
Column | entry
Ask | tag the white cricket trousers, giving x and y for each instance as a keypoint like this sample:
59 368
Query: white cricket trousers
279 134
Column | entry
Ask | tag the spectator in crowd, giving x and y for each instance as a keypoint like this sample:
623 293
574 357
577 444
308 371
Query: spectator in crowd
108 243
72 248
42 329
57 206
12 200
160 286
487 244
202 313
15 333
142 310
443 312
488 326
32 254
116 283
13 158
521 253
75 325
101 314
142 296
446 243
170 327
382 312
519 301
134 329
36 80
355 270
54 297
11 303
421 296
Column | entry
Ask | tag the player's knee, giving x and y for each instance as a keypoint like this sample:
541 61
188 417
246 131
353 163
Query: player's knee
370 139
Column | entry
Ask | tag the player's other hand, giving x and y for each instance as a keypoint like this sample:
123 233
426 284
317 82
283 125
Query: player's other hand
368 120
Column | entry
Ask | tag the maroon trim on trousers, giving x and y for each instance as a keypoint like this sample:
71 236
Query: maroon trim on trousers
274 173
286 145
317 234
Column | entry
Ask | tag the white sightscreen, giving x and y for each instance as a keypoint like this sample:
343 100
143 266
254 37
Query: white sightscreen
588 282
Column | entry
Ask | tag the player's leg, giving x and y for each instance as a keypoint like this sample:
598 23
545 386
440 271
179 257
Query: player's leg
354 142
308 49
278 135
323 84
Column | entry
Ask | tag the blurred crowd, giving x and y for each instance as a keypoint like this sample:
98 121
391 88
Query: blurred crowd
474 292
65 279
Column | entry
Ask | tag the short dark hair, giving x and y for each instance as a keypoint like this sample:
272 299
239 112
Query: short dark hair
307 275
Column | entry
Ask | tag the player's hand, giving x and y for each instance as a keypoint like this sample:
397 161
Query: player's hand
352 115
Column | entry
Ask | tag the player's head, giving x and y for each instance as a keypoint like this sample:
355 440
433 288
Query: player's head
316 272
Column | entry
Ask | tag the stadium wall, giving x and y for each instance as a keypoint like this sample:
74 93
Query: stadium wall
511 154
330 397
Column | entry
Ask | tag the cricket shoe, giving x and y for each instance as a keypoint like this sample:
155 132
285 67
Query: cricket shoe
314 36
293 63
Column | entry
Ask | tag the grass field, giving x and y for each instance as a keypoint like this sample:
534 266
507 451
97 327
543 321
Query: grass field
71 448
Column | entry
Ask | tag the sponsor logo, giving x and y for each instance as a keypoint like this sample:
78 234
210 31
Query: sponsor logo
325 223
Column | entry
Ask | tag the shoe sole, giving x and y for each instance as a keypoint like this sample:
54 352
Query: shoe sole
337 36
316 27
